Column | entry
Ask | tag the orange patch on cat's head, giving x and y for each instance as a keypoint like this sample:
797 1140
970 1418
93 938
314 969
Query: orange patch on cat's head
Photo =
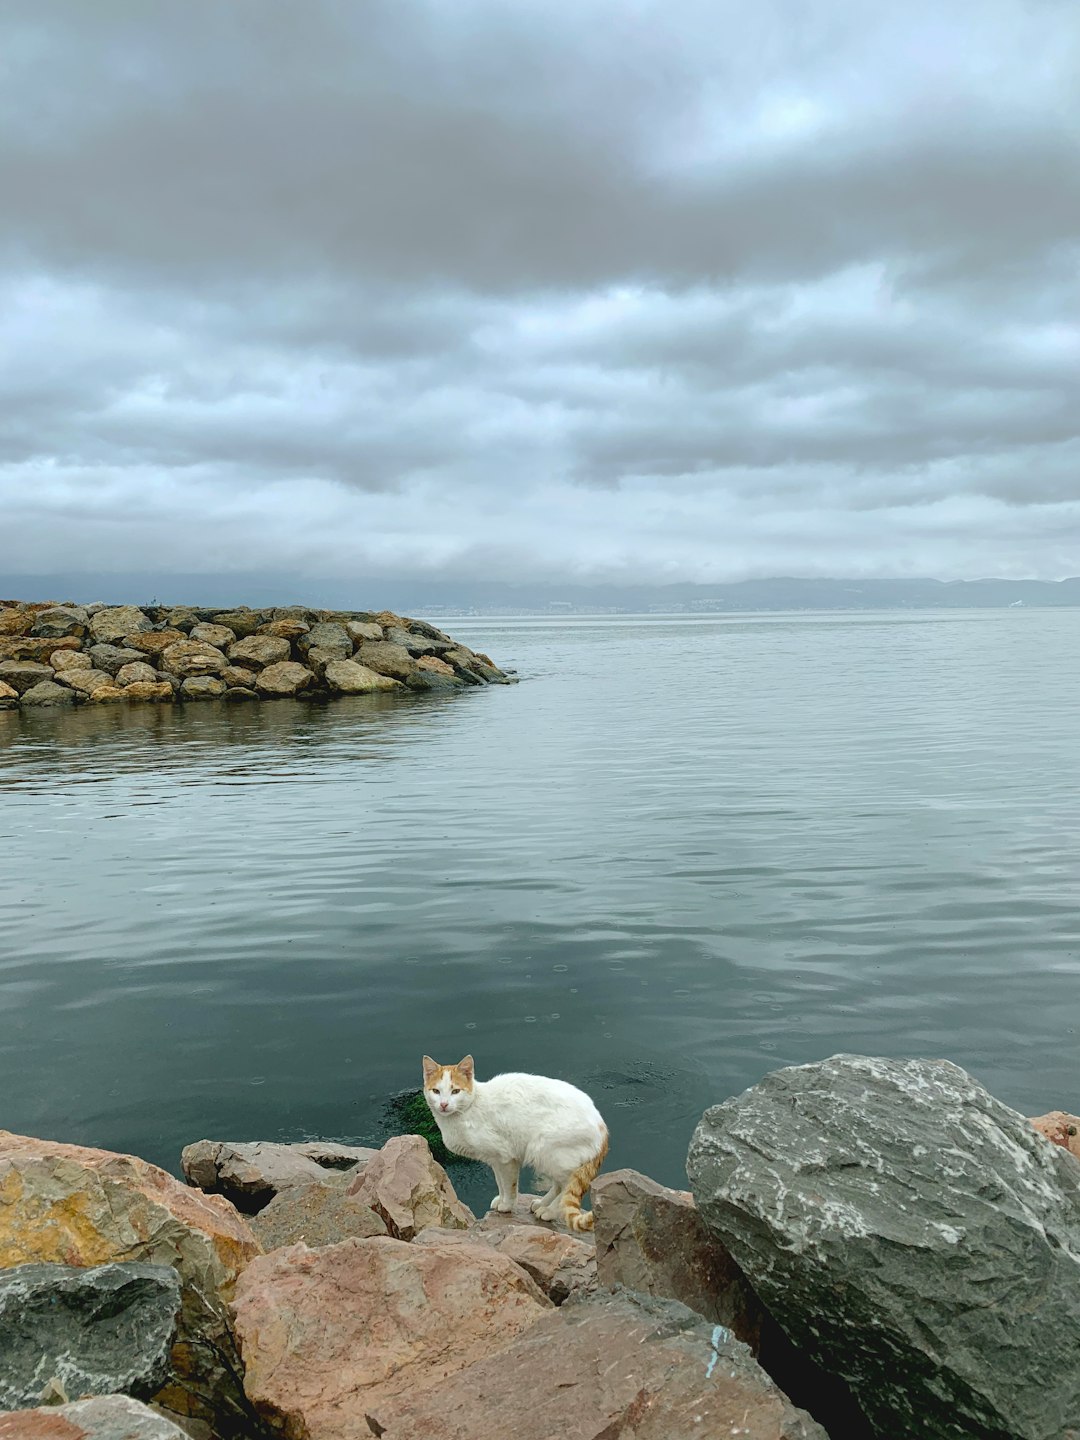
462 1074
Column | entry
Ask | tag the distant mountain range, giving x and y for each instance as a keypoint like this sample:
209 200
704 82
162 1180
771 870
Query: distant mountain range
448 597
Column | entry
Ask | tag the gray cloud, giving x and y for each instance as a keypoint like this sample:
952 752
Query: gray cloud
600 290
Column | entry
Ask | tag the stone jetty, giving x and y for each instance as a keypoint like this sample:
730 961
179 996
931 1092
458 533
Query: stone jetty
870 1250
57 655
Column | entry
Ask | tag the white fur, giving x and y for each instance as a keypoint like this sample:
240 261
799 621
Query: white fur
514 1120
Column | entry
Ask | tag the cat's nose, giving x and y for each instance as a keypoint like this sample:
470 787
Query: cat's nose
444 1104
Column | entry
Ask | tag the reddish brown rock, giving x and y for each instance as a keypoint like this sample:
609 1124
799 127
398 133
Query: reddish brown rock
409 1189
107 1417
561 1265
285 628
333 1335
250 1173
64 1204
46 693
17 621
1060 1128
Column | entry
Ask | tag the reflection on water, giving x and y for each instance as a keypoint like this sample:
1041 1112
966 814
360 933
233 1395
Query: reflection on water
679 854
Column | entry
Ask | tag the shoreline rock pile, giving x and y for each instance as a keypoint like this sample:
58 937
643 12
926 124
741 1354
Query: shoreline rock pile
57 655
873 1250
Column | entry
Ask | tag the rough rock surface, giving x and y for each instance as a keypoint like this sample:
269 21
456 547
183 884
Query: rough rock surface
392 660
47 692
318 1214
603 1366
137 670
652 1239
154 642
1060 1128
283 679
9 697
70 660
156 691
360 630
110 1417
86 681
63 1204
561 1265
100 1331
116 621
347 677
192 657
286 628
332 639
330 1336
255 651
913 1235
410 1190
59 620
242 622
112 658
22 675
203 687
218 635
250 1174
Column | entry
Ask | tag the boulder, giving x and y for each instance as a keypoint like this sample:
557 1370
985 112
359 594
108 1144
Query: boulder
416 645
1060 1128
150 691
48 693
346 677
318 1214
434 666
38 648
219 635
63 1204
237 675
22 675
360 630
283 679
242 622
70 660
285 628
9 696
332 639
154 642
60 620
421 627
192 657
561 1265
107 1417
255 651
101 1331
331 1336
601 1366
239 692
392 660
113 658
250 1174
107 694
471 666
652 1239
84 681
181 617
203 687
14 620
137 670
910 1233
115 621
409 1189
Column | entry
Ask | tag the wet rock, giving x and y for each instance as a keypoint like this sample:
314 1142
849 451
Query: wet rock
61 620
346 677
63 1204
285 629
9 697
151 692
912 1235
471 666
242 622
392 660
107 694
237 675
1060 1128
203 687
70 660
21 675
137 670
434 666
239 692
154 642
192 657
250 1174
331 639
255 651
652 1239
602 1366
47 693
360 630
561 1265
333 1335
115 621
107 1417
113 658
218 635
318 1214
284 679
84 681
102 1331
409 1189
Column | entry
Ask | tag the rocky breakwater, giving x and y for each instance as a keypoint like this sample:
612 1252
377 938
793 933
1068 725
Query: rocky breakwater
55 655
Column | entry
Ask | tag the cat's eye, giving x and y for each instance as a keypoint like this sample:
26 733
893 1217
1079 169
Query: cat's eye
455 1090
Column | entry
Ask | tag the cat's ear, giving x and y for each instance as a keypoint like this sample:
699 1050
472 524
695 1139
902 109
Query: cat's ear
466 1068
430 1068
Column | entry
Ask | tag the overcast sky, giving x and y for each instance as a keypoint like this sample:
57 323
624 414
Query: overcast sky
599 289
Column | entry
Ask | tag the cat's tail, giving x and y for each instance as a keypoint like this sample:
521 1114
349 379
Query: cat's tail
574 1218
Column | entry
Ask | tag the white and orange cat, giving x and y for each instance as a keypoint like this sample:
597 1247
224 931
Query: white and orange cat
514 1120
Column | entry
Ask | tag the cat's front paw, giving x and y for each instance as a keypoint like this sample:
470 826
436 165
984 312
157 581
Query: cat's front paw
537 1205
501 1206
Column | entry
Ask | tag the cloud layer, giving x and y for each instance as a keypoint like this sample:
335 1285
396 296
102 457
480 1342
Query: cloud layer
611 290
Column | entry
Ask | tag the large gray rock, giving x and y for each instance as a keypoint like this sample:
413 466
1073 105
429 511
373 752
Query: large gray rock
250 1174
332 639
913 1235
61 620
23 675
113 658
48 693
346 677
652 1239
116 621
101 1331
107 1417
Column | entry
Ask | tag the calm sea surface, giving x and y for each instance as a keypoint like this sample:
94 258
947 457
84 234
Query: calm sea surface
679 854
